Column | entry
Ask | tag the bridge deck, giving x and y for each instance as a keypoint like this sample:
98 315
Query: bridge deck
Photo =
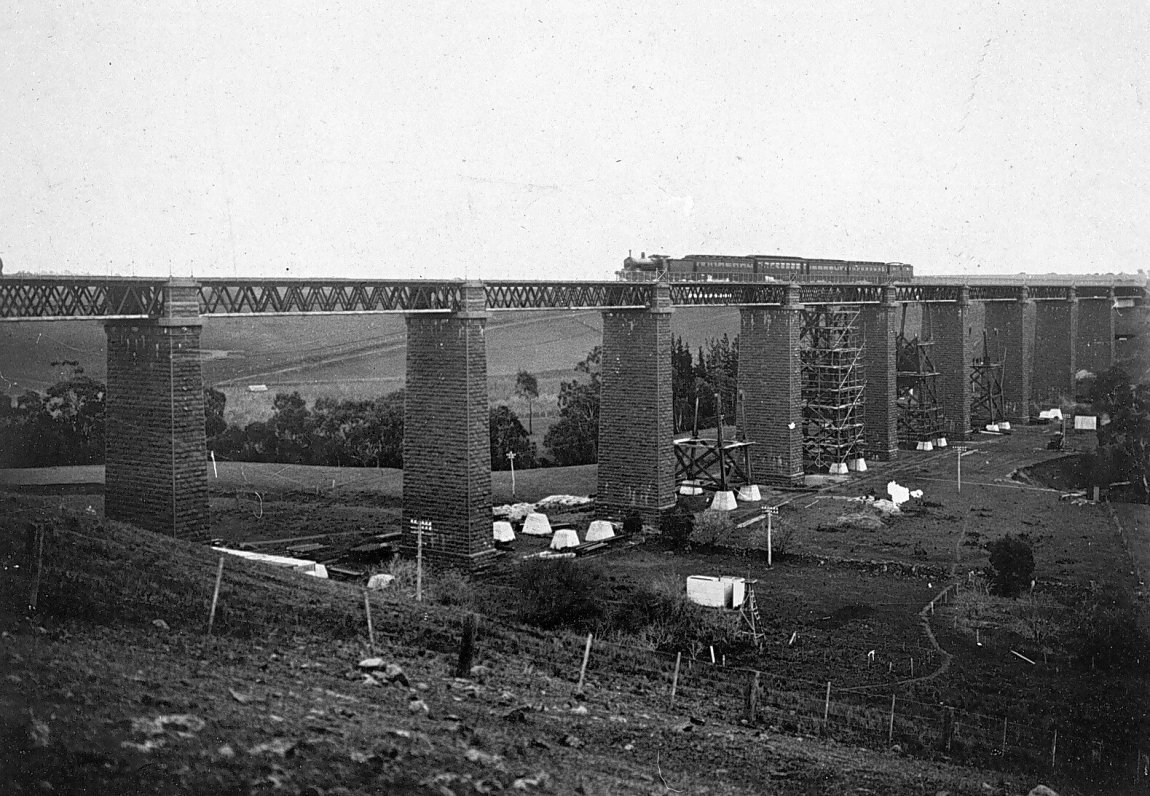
108 298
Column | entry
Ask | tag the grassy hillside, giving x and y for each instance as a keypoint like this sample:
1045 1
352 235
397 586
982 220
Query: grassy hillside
115 687
346 356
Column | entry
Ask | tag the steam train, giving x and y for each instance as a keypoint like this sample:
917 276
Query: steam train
758 268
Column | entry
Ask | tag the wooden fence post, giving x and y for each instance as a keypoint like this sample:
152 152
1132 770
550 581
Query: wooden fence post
947 728
753 698
583 668
467 645
890 726
35 599
827 706
370 630
215 595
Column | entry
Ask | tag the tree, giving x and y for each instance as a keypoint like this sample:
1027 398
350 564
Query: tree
291 425
509 436
527 388
682 385
574 438
1123 430
1011 565
214 403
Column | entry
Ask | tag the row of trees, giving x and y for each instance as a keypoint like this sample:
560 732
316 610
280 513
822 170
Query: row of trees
65 426
348 433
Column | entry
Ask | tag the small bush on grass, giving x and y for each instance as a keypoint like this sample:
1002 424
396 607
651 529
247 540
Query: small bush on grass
1011 565
452 587
678 526
561 593
659 616
1110 634
711 528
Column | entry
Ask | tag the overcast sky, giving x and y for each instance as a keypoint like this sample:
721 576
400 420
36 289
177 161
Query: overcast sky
506 140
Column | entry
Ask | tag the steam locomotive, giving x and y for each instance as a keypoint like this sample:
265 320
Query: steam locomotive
758 268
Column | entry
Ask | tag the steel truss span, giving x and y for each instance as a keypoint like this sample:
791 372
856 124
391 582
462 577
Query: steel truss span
261 296
56 298
82 297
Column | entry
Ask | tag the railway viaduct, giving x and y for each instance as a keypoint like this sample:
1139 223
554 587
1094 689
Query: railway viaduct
156 478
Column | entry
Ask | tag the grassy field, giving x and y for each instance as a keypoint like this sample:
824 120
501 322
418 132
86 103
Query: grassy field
98 697
838 596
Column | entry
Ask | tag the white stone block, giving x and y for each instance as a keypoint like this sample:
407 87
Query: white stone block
600 530
381 581
564 538
750 493
536 524
724 501
709 591
503 531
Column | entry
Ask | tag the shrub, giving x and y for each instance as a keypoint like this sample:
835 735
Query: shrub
678 526
632 523
1111 635
452 587
711 527
660 617
1011 565
560 593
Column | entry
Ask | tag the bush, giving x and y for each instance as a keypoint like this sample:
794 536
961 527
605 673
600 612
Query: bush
452 587
711 527
1011 565
1111 635
560 593
659 616
678 526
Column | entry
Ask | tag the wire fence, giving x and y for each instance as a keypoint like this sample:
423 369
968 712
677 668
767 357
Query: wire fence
860 705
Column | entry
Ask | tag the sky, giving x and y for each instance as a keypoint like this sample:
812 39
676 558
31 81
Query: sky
505 140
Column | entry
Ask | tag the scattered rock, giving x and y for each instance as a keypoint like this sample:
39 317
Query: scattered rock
160 624
418 706
226 752
477 756
243 699
580 710
38 733
572 741
1041 790
371 663
480 672
280 747
185 723
540 780
393 673
381 581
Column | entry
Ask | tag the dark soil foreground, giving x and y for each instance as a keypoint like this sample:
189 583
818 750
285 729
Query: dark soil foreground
113 686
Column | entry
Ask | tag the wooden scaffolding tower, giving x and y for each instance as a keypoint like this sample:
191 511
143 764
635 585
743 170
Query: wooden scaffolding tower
832 388
986 401
916 382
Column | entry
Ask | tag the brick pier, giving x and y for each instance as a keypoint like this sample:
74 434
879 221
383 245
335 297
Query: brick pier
771 389
155 472
636 423
446 440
